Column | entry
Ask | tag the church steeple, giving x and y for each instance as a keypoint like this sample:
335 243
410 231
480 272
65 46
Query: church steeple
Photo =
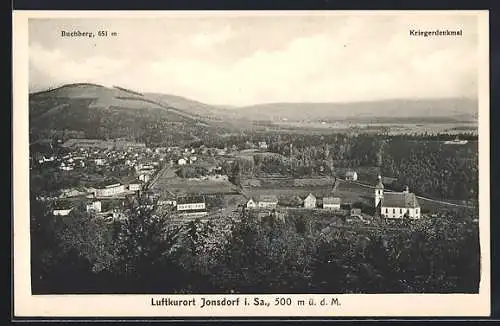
379 192
379 185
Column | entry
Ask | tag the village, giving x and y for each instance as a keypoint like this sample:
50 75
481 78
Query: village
190 183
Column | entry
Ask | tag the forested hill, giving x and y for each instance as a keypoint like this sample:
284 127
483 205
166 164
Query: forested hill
95 111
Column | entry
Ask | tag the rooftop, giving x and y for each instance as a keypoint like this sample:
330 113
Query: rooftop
400 199
311 196
190 200
268 198
331 201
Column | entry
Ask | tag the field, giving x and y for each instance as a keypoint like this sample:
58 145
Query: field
374 128
167 180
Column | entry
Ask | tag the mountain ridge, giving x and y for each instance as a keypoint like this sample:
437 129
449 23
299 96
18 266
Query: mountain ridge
104 97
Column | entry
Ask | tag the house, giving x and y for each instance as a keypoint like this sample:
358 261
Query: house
62 208
94 207
62 211
167 199
268 201
396 205
65 168
66 193
181 161
263 145
251 204
145 177
351 176
310 201
99 161
110 190
263 201
456 141
191 206
331 203
355 212
134 187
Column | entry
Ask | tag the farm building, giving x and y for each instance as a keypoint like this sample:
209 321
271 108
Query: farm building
351 176
396 205
310 201
331 203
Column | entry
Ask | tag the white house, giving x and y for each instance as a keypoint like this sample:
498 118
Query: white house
110 190
94 207
310 201
134 187
145 177
182 161
396 205
62 212
331 203
355 212
99 161
251 204
351 176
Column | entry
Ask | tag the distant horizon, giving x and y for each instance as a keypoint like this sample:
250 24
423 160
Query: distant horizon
228 106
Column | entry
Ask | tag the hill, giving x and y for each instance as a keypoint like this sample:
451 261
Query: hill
95 111
194 107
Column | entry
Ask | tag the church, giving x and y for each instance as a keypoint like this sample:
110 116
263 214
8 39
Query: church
395 205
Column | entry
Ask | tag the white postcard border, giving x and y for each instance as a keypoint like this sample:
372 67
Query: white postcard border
416 305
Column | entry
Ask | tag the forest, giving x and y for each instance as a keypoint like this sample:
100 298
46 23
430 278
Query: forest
146 253
424 163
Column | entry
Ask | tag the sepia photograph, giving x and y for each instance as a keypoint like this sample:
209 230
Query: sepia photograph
214 160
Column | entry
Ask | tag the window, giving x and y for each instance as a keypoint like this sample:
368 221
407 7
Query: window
386 210
400 211
393 211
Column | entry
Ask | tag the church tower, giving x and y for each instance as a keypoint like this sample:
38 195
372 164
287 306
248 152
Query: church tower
379 192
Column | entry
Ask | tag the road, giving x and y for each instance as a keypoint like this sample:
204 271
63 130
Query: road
166 172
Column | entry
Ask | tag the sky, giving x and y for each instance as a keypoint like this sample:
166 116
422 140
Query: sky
245 59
